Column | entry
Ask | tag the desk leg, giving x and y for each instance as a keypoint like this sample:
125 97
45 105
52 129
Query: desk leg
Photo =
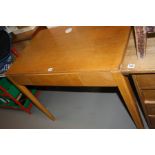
35 101
129 98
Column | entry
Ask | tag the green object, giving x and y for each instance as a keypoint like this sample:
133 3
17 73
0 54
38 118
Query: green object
27 102
15 93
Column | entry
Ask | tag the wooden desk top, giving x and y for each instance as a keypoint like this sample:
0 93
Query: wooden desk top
87 56
145 65
83 49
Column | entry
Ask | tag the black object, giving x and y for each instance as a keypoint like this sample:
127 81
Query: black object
5 44
5 50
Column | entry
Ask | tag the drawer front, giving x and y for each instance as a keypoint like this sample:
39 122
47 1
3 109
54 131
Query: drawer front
150 109
152 121
146 81
48 80
66 79
145 85
148 96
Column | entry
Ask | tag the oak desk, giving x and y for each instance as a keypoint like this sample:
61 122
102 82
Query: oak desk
143 74
87 56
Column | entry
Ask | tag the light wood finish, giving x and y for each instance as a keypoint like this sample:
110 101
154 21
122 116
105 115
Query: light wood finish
146 91
146 81
33 99
88 56
143 75
84 49
97 79
145 65
142 99
128 96
67 79
149 96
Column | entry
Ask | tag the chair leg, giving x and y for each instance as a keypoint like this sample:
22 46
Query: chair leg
141 40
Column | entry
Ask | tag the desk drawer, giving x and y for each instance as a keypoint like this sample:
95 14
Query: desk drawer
48 80
148 96
150 109
66 79
152 121
146 81
145 85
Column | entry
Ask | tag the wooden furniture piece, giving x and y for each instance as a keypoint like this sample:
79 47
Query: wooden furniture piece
76 56
25 33
141 38
143 74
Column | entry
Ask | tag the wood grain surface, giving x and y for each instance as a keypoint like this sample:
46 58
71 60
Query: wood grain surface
83 49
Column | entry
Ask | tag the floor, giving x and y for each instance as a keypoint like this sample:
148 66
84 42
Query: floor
73 110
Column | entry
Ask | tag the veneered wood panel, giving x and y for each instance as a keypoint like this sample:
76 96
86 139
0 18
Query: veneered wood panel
128 96
146 81
152 121
150 109
149 96
97 79
141 97
147 65
88 48
72 79
35 101
48 80
85 49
